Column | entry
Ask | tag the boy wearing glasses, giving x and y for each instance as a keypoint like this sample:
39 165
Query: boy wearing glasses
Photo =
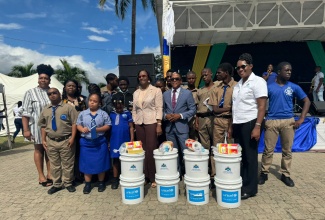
58 128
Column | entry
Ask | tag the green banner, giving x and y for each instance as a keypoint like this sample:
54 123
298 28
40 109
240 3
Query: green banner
317 51
214 59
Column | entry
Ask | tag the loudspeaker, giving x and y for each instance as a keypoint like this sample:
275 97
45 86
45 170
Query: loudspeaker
317 108
130 65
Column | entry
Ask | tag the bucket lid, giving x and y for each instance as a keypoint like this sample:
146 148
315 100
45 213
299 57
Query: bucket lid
193 153
197 180
157 152
133 155
135 179
225 182
172 177
216 154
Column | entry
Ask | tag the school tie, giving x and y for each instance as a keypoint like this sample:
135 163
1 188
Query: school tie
174 99
223 96
93 127
54 128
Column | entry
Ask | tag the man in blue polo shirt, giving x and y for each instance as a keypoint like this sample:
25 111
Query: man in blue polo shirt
280 121
269 75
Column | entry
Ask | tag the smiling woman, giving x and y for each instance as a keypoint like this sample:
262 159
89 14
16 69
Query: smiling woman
33 104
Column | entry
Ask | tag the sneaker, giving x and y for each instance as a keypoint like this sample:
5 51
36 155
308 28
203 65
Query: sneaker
87 188
287 180
263 177
101 187
115 184
71 188
53 190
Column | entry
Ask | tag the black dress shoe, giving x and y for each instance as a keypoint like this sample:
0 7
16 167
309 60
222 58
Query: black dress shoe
71 188
263 177
101 187
246 196
115 184
54 190
287 180
87 188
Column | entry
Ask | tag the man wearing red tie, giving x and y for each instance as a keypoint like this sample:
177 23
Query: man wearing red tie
179 108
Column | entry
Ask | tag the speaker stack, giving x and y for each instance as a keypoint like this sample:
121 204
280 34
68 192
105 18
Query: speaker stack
317 108
130 65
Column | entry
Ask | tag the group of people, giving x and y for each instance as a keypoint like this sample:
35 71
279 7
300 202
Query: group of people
79 133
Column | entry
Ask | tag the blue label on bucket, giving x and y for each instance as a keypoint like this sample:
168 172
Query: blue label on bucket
132 193
229 197
196 195
167 191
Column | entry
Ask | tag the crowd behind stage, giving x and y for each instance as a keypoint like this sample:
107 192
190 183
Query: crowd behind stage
75 136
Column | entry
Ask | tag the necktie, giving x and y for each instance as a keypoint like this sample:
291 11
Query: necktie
223 96
54 128
93 127
174 99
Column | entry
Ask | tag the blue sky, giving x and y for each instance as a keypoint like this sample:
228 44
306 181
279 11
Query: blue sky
43 31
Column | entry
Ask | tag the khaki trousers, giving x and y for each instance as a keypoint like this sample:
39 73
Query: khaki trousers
206 138
274 128
219 129
61 162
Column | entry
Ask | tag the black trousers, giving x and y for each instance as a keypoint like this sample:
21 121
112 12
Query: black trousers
249 165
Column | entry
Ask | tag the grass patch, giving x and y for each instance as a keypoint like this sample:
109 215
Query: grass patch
19 142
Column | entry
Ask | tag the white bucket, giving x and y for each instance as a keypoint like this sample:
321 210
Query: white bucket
196 165
167 188
132 189
197 190
166 163
228 194
227 166
192 154
132 165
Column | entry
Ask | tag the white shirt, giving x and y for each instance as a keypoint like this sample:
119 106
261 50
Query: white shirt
244 104
316 81
177 93
18 112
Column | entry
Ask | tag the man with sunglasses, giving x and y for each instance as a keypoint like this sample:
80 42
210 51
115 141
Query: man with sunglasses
179 108
58 128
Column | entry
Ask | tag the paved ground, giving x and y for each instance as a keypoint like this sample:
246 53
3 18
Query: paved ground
21 197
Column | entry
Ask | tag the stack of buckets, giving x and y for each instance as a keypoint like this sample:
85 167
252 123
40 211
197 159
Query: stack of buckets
197 179
167 176
228 180
132 178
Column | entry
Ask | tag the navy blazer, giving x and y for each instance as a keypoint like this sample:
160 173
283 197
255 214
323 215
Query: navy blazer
185 105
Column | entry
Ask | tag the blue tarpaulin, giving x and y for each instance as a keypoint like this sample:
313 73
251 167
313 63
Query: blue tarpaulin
305 137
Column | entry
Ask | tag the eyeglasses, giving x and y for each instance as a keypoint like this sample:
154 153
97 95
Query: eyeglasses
142 76
175 79
241 67
52 93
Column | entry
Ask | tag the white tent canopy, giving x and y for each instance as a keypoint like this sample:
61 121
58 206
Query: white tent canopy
15 89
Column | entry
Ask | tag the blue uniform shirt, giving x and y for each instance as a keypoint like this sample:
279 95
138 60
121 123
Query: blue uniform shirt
84 119
272 77
281 100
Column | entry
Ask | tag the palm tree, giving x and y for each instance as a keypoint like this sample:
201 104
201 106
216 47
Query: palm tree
69 72
22 71
121 7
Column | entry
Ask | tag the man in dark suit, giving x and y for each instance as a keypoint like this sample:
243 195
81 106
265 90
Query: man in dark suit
179 108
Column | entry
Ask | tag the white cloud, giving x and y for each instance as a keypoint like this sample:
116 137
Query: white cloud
10 26
97 38
98 31
118 50
29 15
154 50
10 56
105 8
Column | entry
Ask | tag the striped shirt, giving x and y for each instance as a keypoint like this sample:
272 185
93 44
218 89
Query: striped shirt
33 104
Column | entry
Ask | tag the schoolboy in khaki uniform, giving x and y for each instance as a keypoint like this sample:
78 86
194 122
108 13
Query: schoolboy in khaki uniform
58 127
221 101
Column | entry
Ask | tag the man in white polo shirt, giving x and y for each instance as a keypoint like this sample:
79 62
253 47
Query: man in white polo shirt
248 110
318 85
